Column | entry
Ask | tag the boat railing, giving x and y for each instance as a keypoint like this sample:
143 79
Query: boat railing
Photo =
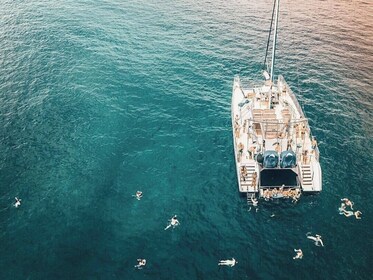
282 81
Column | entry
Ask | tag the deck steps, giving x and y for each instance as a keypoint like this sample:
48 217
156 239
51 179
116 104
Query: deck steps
307 183
246 182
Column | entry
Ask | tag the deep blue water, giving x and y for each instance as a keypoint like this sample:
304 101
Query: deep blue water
99 99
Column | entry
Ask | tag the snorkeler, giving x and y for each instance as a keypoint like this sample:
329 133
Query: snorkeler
140 263
317 239
299 254
230 263
174 222
138 195
17 203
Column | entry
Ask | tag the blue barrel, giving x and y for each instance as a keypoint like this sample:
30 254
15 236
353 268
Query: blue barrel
288 159
270 159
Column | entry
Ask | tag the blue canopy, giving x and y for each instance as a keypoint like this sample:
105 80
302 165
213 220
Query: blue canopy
288 159
270 159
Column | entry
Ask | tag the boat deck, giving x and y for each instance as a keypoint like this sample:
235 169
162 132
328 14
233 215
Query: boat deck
270 119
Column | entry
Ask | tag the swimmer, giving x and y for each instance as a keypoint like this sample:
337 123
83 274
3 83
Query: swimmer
348 202
299 254
317 239
138 195
347 213
357 215
17 203
140 263
342 208
254 200
230 263
173 223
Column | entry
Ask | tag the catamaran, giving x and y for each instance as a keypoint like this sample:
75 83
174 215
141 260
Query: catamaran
276 155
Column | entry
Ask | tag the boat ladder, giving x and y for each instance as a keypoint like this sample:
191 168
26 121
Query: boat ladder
248 199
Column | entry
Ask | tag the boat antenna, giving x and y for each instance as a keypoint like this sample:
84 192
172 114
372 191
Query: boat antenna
269 36
274 41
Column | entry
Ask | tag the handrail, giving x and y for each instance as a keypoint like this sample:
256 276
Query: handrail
292 95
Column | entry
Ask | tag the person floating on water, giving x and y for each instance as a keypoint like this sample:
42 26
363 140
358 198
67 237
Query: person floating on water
317 239
357 214
230 263
138 195
342 208
352 213
17 203
348 202
140 263
299 254
174 222
348 213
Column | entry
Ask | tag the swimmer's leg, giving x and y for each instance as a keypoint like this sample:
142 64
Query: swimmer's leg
311 237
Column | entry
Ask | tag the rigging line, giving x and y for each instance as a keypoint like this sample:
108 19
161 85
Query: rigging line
269 35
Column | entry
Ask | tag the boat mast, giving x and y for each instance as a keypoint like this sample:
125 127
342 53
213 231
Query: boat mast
265 66
274 39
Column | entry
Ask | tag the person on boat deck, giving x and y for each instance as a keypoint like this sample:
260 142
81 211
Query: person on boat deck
236 121
296 127
313 143
250 130
251 151
240 149
253 181
305 157
237 130
278 147
243 172
288 146
230 263
299 254
274 192
303 131
257 96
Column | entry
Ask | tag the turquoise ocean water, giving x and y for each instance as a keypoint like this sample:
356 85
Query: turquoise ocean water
99 99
